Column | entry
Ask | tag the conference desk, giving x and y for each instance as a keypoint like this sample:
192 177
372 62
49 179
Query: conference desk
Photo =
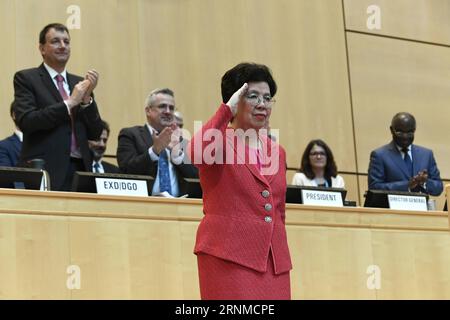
117 247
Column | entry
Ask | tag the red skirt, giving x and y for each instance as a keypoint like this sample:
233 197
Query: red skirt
225 280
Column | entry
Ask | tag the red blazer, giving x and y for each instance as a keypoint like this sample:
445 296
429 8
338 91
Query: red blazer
244 211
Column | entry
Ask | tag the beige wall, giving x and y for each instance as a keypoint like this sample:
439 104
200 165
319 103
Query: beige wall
420 20
403 66
337 79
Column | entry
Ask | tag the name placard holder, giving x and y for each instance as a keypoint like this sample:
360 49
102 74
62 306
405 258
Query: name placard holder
410 203
322 198
121 187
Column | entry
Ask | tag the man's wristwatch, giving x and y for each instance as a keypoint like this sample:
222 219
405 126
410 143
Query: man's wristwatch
84 105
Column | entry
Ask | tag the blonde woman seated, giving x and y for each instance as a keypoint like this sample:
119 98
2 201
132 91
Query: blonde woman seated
318 168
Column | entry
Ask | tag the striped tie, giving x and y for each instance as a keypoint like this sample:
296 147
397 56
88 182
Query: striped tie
73 143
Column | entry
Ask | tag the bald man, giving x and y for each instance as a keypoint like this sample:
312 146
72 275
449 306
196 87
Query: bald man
402 165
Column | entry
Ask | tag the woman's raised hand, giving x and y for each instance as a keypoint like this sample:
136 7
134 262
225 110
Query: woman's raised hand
234 100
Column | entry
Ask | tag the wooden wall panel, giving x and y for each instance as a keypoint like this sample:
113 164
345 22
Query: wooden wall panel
111 29
131 248
34 264
422 20
363 186
302 41
7 65
351 184
142 248
389 76
400 256
339 265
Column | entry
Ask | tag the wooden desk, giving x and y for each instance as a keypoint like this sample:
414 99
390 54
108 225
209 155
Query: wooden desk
141 248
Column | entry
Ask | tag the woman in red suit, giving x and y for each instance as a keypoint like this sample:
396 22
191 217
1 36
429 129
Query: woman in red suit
241 244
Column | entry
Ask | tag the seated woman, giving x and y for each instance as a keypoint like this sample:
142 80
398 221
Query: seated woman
318 168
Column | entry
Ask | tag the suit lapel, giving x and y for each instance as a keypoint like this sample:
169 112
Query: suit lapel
48 82
16 142
416 159
238 146
271 152
108 167
71 81
396 156
146 137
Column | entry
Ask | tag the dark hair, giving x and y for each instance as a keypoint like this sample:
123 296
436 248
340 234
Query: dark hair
56 26
105 126
246 72
403 115
305 166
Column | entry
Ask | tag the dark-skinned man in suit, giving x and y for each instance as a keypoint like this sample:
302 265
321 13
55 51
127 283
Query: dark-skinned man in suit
402 165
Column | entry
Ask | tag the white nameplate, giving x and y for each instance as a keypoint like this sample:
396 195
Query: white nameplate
414 203
121 187
322 198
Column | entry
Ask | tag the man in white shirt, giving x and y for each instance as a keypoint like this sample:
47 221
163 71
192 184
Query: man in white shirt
56 110
152 150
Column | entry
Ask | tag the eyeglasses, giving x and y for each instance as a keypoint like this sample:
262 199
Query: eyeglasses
57 41
401 133
318 153
255 100
163 107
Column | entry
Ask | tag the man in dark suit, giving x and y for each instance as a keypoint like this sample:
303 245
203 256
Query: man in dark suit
10 147
403 166
98 148
156 148
56 111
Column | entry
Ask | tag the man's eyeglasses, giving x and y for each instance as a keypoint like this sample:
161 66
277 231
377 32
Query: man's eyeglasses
256 100
164 107
401 133
318 153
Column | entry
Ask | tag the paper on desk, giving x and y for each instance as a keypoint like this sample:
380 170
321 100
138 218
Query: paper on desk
165 194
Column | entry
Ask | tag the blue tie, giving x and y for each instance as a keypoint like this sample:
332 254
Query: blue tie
96 167
408 162
163 170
